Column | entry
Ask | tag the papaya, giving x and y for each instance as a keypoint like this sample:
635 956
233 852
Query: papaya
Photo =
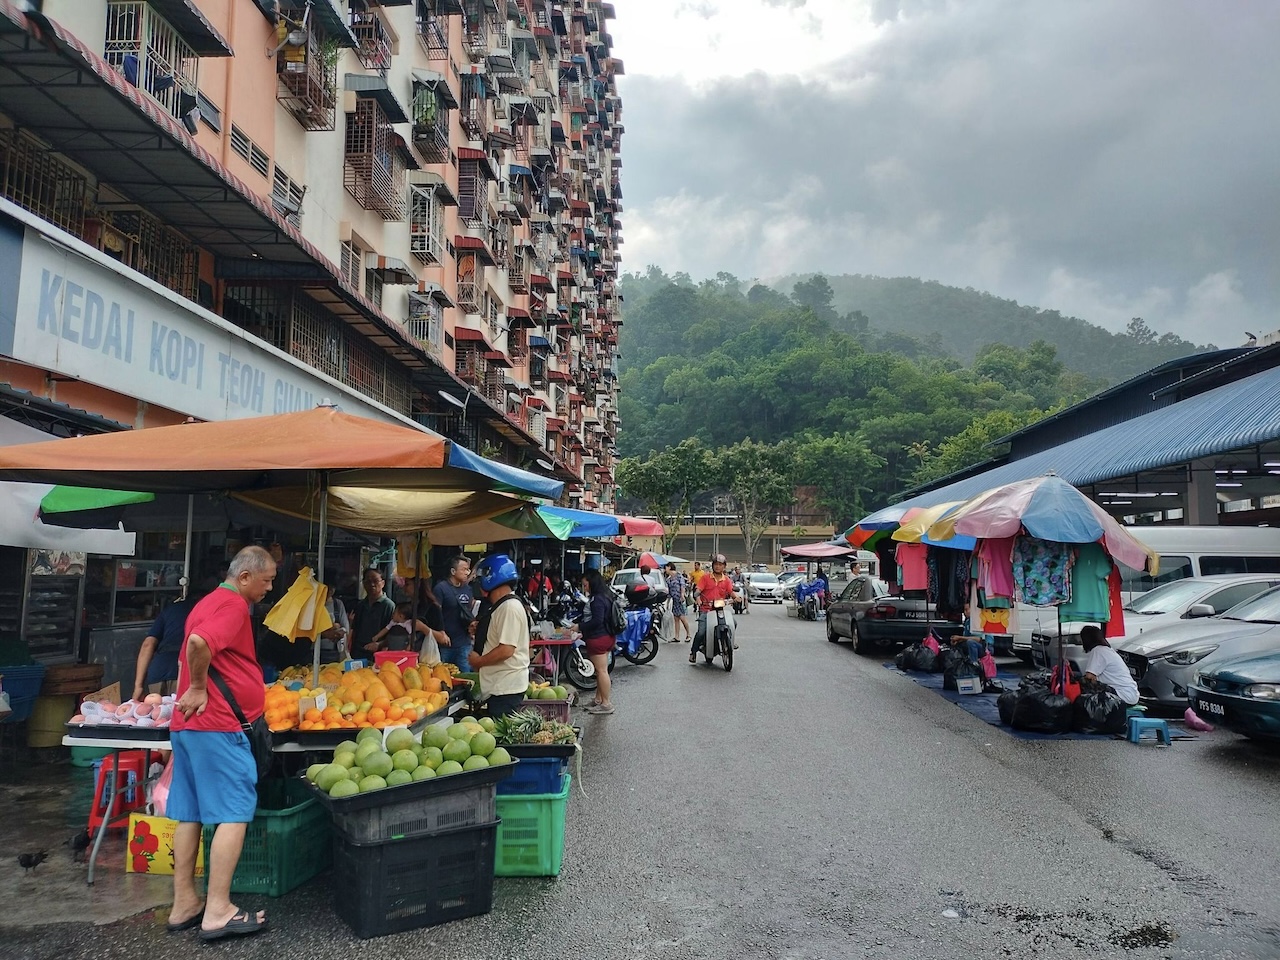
390 667
375 690
412 679
432 684
441 672
394 685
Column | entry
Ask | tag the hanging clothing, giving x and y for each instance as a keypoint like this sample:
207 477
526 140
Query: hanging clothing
1042 571
1114 627
1090 601
913 566
995 566
948 580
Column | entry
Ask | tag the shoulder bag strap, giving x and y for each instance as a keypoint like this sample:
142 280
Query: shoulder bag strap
221 684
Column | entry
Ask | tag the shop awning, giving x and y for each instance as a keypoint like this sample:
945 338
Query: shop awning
503 477
476 246
1235 416
471 335
377 88
433 291
426 178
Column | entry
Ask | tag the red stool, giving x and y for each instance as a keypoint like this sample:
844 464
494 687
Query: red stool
126 767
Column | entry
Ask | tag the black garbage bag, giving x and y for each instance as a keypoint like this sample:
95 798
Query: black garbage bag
1004 703
951 657
1037 678
1039 711
1099 711
959 668
905 660
925 660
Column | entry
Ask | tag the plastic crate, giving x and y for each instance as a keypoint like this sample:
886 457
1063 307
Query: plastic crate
22 684
550 709
398 885
288 843
531 833
418 816
536 775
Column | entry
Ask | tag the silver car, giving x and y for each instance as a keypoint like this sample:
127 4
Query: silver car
1165 661
1170 603
763 587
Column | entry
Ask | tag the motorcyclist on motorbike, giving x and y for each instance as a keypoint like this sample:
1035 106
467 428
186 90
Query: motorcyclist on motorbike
713 586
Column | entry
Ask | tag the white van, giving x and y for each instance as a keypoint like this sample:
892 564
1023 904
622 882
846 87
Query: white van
1184 552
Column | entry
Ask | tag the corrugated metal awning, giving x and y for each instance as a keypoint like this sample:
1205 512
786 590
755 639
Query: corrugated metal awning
439 83
1235 416
425 178
364 85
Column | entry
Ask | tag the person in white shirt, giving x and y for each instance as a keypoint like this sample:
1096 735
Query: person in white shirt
1103 665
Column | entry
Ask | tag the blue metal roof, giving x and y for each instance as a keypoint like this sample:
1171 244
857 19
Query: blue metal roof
1233 416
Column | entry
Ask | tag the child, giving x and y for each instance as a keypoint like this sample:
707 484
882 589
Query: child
396 635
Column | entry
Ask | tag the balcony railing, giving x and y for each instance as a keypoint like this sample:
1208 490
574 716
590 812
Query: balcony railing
468 286
374 50
426 321
426 224
142 46
471 366
308 72
430 124
433 34
374 170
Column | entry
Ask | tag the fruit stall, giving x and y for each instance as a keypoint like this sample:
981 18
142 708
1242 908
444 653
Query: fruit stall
386 772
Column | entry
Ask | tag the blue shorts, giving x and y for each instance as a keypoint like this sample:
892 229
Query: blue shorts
215 778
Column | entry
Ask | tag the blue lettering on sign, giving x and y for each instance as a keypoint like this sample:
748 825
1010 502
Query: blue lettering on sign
241 384
79 315
290 398
174 355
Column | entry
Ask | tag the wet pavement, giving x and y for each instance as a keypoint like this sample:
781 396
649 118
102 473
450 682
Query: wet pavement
811 805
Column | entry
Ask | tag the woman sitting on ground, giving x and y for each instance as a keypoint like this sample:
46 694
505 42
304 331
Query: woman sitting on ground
1103 665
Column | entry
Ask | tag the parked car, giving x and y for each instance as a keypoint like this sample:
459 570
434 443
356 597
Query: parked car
626 577
1165 661
867 614
762 587
787 581
1241 692
1169 603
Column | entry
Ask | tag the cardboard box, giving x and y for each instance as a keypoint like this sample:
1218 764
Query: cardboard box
969 685
150 846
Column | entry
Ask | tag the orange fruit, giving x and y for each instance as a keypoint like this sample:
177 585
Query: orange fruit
313 715
359 717
377 715
383 702
409 714
395 713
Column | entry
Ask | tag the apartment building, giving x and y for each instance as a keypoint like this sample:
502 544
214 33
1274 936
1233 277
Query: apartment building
224 208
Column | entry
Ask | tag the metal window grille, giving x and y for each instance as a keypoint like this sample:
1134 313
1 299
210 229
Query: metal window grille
373 287
433 31
430 124
426 321
350 263
38 181
161 253
142 46
475 27
471 366
363 368
518 343
374 50
519 271
471 105
374 171
469 283
307 67
426 224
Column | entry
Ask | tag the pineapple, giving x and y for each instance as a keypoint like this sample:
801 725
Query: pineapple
518 727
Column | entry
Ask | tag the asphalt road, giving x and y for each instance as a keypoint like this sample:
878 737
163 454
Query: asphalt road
813 804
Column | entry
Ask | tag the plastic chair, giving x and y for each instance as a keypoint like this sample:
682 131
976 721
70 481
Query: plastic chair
131 772
1140 725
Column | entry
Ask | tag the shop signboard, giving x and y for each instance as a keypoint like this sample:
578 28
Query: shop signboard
70 309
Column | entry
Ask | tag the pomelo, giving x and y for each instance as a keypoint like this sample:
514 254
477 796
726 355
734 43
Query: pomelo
482 744
456 750
314 770
448 767
405 760
459 731
378 764
487 724
499 755
331 774
372 782
435 736
344 788
366 749
398 777
368 733
345 759
423 773
475 763
561 693
356 774
431 757
548 693
399 739
346 746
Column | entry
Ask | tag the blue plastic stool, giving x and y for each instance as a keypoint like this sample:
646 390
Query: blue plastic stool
1137 725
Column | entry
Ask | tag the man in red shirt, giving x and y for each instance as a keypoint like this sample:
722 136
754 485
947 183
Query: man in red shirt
215 777
713 586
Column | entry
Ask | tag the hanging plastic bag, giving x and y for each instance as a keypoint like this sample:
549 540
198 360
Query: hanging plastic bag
160 790
430 652
931 644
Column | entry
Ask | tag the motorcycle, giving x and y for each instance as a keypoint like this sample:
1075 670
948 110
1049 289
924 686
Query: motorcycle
718 641
741 604
811 600
565 610
640 641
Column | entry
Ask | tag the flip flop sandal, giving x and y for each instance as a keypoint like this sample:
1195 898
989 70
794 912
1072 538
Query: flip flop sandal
187 924
243 924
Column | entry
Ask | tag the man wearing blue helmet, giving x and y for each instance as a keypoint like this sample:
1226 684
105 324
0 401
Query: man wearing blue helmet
501 653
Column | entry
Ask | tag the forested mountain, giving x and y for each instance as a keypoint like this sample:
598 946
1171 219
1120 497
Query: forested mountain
865 411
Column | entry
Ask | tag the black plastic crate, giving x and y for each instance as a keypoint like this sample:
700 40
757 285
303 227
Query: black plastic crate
399 885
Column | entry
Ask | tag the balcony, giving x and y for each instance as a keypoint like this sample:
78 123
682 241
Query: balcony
374 49
470 364
375 165
433 33
307 67
425 322
149 53
431 103
426 225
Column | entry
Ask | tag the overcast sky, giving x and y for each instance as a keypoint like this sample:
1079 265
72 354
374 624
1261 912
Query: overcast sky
1106 158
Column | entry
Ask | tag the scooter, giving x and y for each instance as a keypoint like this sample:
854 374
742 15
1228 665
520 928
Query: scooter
811 601
640 641
741 603
715 636
565 610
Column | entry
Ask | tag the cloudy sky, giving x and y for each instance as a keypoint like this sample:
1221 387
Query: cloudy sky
1106 158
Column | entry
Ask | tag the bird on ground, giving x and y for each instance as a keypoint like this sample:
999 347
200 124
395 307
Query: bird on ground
79 844
29 861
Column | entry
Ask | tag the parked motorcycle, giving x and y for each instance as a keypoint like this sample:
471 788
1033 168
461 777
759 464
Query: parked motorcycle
640 641
811 600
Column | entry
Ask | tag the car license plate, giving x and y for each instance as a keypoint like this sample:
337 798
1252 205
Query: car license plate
912 614
1214 708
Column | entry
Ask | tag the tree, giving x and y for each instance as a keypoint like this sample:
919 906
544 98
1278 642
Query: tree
758 478
816 294
666 483
1140 332
843 469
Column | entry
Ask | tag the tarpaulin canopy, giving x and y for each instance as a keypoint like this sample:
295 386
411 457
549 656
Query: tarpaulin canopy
818 551
586 523
274 451
640 527
526 520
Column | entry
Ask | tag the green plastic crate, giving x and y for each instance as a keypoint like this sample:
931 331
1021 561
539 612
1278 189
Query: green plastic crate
531 833
289 842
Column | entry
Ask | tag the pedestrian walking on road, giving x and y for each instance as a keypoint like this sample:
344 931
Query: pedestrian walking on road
679 614
215 775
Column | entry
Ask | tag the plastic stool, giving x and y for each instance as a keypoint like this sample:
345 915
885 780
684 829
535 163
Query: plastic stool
1138 711
133 772
1137 725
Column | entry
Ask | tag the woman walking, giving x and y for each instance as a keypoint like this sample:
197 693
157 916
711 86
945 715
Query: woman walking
679 615
600 643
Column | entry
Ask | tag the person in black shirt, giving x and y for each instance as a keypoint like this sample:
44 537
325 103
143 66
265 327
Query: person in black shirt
370 615
456 617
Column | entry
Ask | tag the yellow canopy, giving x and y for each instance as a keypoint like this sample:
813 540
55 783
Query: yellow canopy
917 522
383 513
